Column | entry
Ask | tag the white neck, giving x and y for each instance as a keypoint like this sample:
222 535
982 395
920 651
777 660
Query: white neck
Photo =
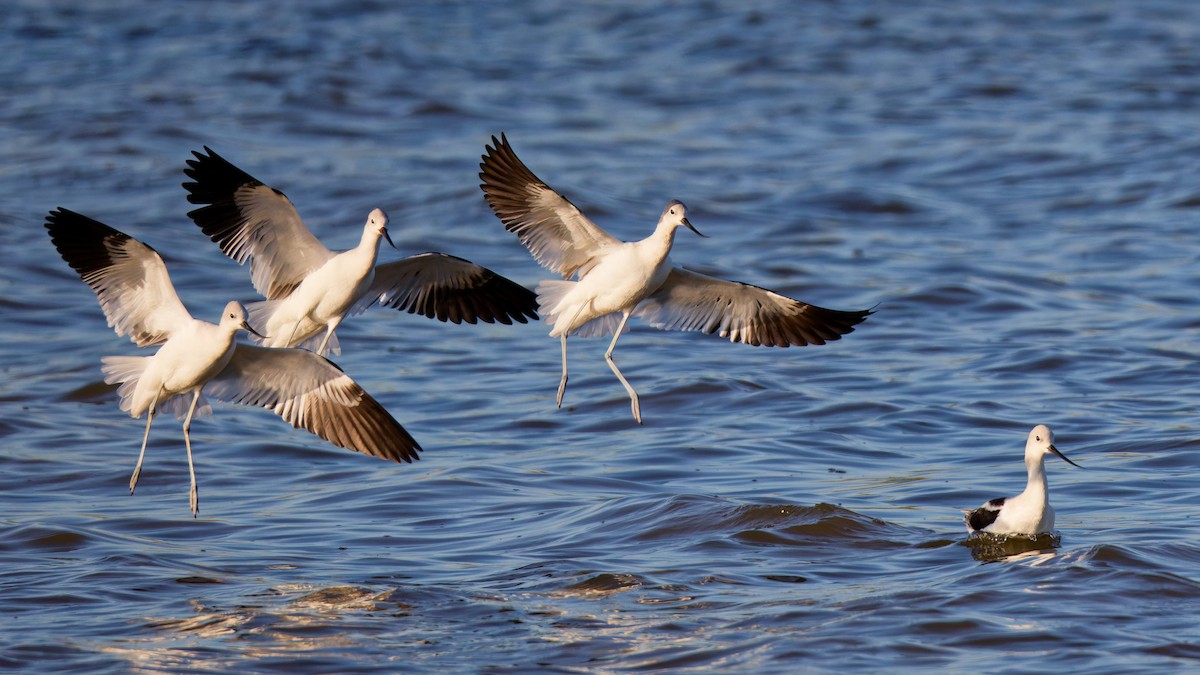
663 238
370 239
1037 485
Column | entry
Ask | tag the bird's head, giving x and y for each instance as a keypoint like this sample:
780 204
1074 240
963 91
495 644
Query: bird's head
376 227
233 318
675 215
1041 443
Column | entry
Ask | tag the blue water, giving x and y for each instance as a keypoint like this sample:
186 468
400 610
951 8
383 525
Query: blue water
1014 188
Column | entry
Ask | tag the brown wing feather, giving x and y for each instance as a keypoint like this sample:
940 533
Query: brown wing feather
310 392
558 235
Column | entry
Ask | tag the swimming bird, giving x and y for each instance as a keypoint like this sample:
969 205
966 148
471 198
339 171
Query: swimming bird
310 289
1029 513
197 357
616 279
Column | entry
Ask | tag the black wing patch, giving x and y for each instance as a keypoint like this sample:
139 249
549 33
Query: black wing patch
985 515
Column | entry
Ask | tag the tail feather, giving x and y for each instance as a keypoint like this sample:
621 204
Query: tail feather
559 313
258 315
261 316
550 295
600 326
127 371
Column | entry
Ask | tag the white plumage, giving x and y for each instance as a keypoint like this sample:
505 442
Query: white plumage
194 356
310 289
616 279
1028 513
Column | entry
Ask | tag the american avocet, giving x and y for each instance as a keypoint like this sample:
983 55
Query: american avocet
1029 513
618 279
197 357
310 289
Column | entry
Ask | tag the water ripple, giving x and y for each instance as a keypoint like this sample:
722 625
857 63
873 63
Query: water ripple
1007 186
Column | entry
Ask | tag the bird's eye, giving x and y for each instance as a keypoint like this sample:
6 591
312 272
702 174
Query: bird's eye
672 211
1037 438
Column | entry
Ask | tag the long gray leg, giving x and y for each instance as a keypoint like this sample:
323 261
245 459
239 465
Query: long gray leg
137 470
637 408
562 385
194 494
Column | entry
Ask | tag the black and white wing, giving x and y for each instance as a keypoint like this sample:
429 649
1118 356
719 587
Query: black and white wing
312 393
448 288
558 235
689 301
252 221
129 278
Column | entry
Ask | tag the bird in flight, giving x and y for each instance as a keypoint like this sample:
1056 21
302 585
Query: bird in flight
310 289
195 357
605 281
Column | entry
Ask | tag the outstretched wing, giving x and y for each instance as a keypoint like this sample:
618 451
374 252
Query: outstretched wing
449 289
741 312
558 235
252 221
128 277
312 393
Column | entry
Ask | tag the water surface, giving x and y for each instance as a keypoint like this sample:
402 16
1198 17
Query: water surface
1013 188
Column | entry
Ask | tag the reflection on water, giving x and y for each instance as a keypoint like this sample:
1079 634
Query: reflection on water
1012 188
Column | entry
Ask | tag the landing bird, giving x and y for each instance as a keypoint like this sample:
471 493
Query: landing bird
1029 513
310 289
197 357
617 279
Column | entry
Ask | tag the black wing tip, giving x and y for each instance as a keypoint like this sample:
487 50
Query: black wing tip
854 316
816 326
198 161
497 299
61 222
507 182
86 244
214 178
494 146
459 310
406 452
53 217
208 154
391 441
59 213
495 152
812 325
407 449
521 305
529 311
842 320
